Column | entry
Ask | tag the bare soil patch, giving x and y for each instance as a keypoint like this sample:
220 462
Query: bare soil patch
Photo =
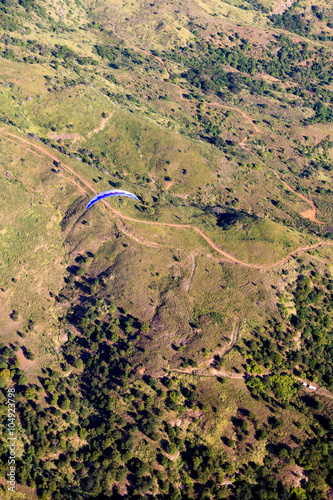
63 137
101 126
283 7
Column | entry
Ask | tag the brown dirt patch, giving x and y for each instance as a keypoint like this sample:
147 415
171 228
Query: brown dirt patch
283 7
310 214
168 184
63 137
101 126
293 475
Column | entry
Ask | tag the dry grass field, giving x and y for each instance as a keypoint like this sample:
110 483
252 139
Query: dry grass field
191 307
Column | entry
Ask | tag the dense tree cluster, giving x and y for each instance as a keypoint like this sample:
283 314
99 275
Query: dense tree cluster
205 69
312 322
99 414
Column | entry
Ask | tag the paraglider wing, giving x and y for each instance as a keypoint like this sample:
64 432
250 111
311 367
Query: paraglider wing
107 194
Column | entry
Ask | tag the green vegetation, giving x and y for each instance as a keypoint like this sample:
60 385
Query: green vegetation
178 347
115 423
311 324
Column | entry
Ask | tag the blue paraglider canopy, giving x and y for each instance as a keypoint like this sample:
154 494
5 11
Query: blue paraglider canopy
107 194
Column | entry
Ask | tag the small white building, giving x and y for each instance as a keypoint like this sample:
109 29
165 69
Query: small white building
312 387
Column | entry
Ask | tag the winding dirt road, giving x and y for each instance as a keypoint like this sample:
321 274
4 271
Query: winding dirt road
308 214
19 141
26 144
247 117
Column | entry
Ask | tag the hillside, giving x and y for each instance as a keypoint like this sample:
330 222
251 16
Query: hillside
178 347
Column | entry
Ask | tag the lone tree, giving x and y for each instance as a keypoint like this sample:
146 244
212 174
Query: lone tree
78 364
15 315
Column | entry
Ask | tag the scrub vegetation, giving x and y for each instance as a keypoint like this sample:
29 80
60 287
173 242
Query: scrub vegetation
178 347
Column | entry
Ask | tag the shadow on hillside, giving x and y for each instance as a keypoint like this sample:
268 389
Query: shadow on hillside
230 218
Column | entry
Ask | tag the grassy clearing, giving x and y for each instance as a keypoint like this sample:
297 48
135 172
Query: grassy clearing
231 398
191 172
21 493
146 295
172 308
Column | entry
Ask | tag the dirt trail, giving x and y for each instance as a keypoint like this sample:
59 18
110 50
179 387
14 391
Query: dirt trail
225 350
241 376
213 373
222 373
18 144
141 240
101 127
209 370
324 392
138 49
180 89
256 129
82 191
318 389
229 257
309 214
188 281
47 153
